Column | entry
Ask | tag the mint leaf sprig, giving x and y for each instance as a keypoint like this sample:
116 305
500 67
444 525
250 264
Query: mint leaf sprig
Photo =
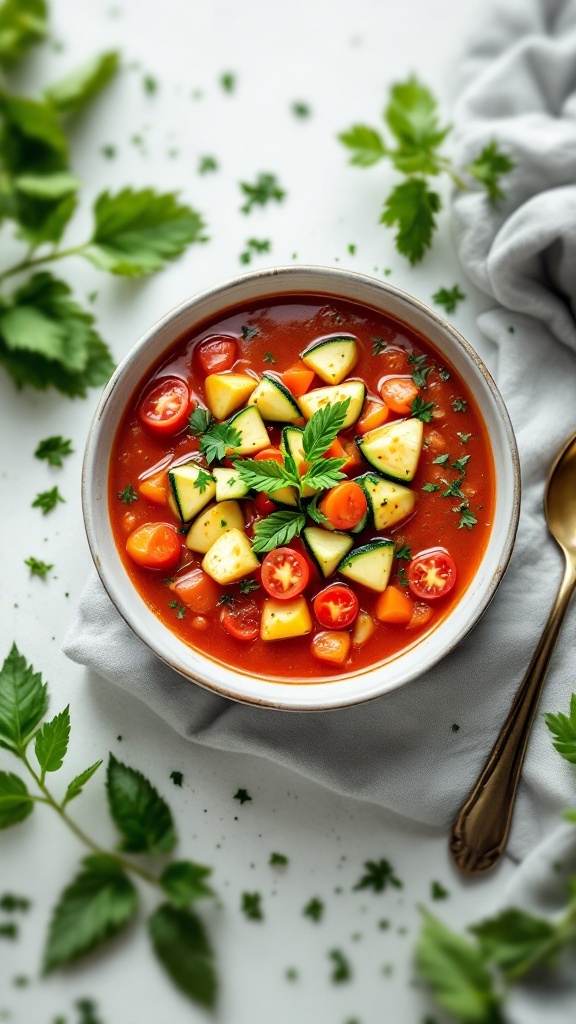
103 899
411 115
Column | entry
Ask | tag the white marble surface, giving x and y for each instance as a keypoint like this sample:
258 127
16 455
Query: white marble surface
339 58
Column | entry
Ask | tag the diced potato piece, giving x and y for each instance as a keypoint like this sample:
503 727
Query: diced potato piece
212 523
230 558
226 392
284 619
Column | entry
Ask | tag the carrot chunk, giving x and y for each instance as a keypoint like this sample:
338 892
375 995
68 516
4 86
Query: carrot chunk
155 488
394 607
331 646
373 415
298 379
399 393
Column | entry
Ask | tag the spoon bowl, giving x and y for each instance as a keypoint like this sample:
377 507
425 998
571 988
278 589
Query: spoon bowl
560 499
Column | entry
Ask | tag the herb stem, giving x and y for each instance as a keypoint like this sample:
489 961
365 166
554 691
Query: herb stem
447 166
55 254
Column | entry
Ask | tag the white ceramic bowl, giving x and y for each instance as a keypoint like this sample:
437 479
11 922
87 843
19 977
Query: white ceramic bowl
366 684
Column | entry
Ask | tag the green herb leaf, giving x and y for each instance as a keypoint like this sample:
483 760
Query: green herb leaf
448 297
177 778
23 701
185 882
412 207
252 906
453 489
489 167
278 860
277 530
460 464
141 815
136 232
77 785
23 23
440 460
182 947
265 188
366 144
324 473
202 480
563 729
248 586
200 421
314 512
412 117
403 552
33 139
15 801
128 495
37 567
464 437
431 487
515 940
96 906
207 164
11 903
379 875
422 410
54 449
460 405
378 346
342 970
218 440
43 205
248 332
269 358
438 892
51 742
421 371
242 795
314 909
322 428
265 475
74 91
47 500
455 970
467 518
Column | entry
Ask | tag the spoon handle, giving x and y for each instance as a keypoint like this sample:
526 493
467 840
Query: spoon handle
480 831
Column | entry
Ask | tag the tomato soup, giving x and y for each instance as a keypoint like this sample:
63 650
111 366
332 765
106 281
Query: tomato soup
302 488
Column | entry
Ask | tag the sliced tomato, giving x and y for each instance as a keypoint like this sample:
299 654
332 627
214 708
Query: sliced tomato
155 546
263 504
431 574
217 353
269 454
241 618
344 505
165 406
336 607
285 573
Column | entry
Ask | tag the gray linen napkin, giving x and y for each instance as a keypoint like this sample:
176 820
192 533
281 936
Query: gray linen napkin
400 751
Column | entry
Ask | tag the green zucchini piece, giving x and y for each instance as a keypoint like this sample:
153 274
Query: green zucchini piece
253 434
326 549
292 444
274 401
388 502
355 390
229 486
332 358
188 499
370 564
394 449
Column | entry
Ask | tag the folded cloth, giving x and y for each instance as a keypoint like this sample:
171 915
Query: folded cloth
401 751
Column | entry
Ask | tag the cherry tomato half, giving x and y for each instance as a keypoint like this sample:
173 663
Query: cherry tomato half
155 546
344 505
285 573
263 504
241 619
165 406
336 607
217 353
431 574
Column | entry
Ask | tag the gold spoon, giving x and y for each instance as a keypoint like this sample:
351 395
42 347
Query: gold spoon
480 831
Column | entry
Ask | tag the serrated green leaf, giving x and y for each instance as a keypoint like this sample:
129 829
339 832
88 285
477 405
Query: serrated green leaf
43 204
322 428
23 23
324 473
51 742
488 168
181 944
412 117
366 143
23 701
264 474
563 729
184 882
277 529
141 815
455 970
411 206
32 138
74 91
54 449
514 940
47 186
96 906
137 232
77 785
15 801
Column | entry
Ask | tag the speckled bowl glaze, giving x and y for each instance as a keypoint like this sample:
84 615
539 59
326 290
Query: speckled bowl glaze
233 683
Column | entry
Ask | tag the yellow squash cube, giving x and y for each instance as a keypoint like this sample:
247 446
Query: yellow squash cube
284 619
226 392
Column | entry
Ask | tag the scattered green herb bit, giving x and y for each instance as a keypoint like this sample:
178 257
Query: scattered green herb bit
421 371
464 437
460 464
150 84
200 421
277 529
291 974
453 489
264 189
278 860
438 892
54 449
431 487
218 440
202 480
269 358
455 727
300 109
8 930
379 875
384 924
11 903
177 778
38 568
563 730
422 410
467 518
207 164
403 552
252 906
440 460
223 523
179 608
228 81
249 332
108 151
341 970
242 795
21 981
448 297
351 249
443 373
401 578
459 405
47 500
248 586
128 495
366 144
227 599
259 244
412 206
314 909
378 346
511 330
489 167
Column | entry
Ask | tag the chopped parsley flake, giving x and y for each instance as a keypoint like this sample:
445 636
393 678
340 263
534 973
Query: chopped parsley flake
47 500
38 568
431 487
265 189
248 332
278 860
448 297
422 410
438 892
247 586
379 875
403 552
177 778
341 970
179 608
440 460
460 405
150 85
128 495
443 373
242 795
54 449
207 164
300 109
252 906
269 358
460 464
455 727
314 909
378 346
228 81
467 518
464 437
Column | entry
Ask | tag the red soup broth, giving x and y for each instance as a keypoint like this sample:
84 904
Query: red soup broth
454 484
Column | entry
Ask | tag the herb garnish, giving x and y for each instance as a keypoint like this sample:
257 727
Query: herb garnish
467 517
128 495
403 552
438 892
460 405
248 586
278 860
252 906
420 371
448 297
314 909
202 480
249 332
54 449
264 189
440 460
379 875
461 463
378 346
218 440
37 567
207 164
177 778
269 358
47 500
342 970
422 410
431 487
242 795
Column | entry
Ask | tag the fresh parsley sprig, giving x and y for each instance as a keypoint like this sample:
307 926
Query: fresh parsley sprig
278 529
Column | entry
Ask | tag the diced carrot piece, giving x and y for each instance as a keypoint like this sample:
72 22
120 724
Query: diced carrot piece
394 607
373 415
399 393
331 646
435 441
197 590
155 488
271 454
336 450
394 360
421 615
342 449
298 379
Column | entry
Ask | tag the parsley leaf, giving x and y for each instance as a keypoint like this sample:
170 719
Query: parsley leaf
242 795
412 117
15 801
438 892
200 421
23 23
467 517
379 875
181 944
322 428
54 449
177 778
324 473
128 495
217 440
378 346
248 586
248 332
440 460
47 500
431 487
265 474
76 90
342 970
460 405
23 701
38 568
563 729
228 81
464 437
184 882
278 860
403 552
77 785
461 463
366 144
421 371
412 206
265 188
314 909
489 167
202 480
448 297
136 232
277 530
51 742
207 164
453 489
269 358
141 815
252 906
422 410
514 940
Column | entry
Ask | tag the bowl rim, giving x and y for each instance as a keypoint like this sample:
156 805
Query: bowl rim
328 281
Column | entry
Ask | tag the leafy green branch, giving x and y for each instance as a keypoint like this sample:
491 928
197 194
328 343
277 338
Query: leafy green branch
46 338
470 978
102 900
411 116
